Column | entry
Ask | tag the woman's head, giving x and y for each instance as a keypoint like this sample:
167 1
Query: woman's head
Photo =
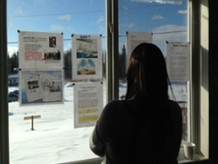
147 74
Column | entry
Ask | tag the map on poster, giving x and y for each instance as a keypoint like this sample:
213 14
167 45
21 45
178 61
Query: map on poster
88 103
178 59
86 57
41 86
40 50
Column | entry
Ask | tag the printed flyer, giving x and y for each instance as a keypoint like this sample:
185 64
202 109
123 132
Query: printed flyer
88 103
178 61
136 38
40 50
41 86
86 57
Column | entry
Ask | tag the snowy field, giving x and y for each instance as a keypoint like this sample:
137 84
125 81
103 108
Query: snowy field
54 139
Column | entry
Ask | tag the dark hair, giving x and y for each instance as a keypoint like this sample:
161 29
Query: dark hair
147 75
147 81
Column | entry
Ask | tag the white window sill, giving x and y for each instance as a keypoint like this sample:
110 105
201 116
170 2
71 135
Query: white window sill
196 157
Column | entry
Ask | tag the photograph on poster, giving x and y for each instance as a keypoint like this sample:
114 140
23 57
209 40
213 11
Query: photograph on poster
86 67
33 84
51 90
42 86
52 41
52 56
33 89
87 48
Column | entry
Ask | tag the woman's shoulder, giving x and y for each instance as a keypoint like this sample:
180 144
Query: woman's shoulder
112 111
173 104
114 105
174 107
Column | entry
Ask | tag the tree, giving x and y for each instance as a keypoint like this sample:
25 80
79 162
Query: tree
68 64
122 63
9 64
13 63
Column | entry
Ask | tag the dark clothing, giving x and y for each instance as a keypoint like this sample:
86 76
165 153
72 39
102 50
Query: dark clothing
127 133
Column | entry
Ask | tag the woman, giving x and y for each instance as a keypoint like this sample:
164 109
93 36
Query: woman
146 127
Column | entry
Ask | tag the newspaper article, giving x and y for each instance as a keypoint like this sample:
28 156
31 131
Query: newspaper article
86 57
38 87
40 50
178 59
88 103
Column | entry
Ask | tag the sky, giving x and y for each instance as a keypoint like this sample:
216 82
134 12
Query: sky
89 17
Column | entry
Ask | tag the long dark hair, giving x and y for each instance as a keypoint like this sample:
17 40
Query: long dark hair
147 74
147 81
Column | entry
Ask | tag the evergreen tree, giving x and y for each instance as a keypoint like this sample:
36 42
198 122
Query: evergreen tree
68 64
122 63
14 63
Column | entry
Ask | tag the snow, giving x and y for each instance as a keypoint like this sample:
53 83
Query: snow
54 139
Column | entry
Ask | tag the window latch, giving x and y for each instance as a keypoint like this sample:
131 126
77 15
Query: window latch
111 28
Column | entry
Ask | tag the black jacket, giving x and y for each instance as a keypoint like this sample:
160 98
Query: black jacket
129 132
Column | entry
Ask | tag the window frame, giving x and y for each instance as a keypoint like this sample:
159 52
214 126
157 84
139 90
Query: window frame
112 75
4 129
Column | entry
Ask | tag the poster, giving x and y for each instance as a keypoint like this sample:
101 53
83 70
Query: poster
178 61
88 103
136 38
40 50
86 57
41 86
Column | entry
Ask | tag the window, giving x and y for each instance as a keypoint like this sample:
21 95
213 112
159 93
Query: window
167 21
51 136
54 139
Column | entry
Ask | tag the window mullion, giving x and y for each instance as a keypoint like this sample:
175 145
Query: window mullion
4 132
112 50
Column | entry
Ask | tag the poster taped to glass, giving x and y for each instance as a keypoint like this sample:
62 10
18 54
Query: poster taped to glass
86 57
40 50
88 103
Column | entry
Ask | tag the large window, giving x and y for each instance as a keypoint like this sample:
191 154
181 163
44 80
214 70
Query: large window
51 137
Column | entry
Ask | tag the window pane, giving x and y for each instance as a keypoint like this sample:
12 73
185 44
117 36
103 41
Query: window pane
167 21
51 138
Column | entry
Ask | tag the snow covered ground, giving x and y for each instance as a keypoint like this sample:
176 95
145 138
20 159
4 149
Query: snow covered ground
54 139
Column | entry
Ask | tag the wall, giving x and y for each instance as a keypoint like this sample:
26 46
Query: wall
213 81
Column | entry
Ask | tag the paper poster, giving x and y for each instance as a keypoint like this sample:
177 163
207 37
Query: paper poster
86 57
178 61
88 103
136 38
41 86
40 50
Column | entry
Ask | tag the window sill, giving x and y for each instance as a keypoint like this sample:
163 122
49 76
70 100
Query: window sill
181 159
196 158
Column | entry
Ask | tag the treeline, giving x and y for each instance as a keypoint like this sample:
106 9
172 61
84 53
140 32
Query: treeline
13 64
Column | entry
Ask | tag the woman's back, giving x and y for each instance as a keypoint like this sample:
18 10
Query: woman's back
126 130
146 127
